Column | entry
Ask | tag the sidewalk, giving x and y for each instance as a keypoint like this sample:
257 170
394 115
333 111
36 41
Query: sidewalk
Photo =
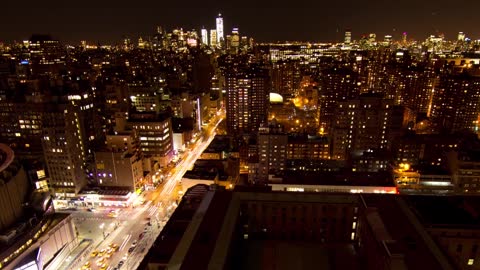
77 255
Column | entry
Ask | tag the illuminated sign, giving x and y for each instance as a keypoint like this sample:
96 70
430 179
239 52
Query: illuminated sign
295 189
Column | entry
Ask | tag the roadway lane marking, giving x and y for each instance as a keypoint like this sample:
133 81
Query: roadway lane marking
125 241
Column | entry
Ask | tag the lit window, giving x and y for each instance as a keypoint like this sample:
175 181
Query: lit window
18 134
470 261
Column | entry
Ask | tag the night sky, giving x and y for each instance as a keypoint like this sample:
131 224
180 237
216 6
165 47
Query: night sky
109 21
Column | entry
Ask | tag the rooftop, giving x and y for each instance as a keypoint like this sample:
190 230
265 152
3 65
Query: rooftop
172 233
458 211
407 234
107 191
346 178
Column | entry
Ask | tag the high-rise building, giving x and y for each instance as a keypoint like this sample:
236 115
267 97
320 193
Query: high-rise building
155 134
456 102
416 86
213 38
361 124
46 55
404 37
21 128
235 40
348 37
336 84
204 34
64 149
387 39
219 24
272 151
461 36
247 99
286 77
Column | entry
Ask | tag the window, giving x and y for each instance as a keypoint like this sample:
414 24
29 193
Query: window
470 261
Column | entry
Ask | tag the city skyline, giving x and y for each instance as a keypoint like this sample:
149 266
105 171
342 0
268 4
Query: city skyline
336 135
322 22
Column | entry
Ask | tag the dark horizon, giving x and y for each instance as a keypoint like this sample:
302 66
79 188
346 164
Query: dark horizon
266 22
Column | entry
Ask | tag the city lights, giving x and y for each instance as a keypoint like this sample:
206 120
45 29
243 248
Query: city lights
175 147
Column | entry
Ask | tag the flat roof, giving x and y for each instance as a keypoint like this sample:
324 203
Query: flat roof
206 237
263 254
166 243
451 211
339 179
207 241
106 191
409 236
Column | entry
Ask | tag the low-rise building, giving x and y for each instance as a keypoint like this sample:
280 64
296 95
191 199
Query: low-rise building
423 179
340 181
465 167
120 163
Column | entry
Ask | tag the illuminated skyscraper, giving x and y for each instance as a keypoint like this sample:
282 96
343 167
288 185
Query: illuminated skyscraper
213 38
387 39
461 36
247 99
337 84
404 37
204 34
235 40
348 37
220 37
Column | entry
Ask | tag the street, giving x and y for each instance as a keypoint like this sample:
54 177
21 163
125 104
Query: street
120 238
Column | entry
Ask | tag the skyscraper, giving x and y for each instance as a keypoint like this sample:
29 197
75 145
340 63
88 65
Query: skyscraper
461 36
247 99
336 84
204 34
219 24
387 39
213 38
235 42
63 146
348 37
